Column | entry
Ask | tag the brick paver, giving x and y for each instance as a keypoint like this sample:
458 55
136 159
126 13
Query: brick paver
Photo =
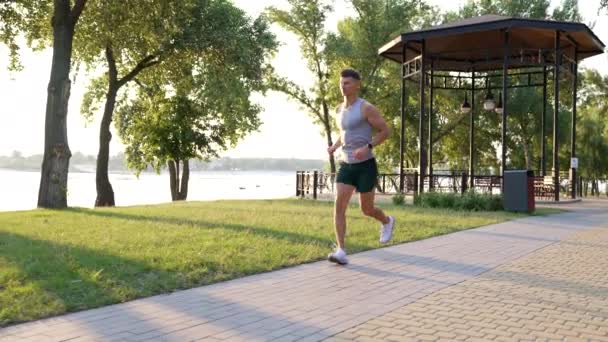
535 278
557 293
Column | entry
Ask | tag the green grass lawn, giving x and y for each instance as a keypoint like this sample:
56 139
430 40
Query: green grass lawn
52 262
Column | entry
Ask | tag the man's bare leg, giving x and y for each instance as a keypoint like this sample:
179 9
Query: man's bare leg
366 202
343 195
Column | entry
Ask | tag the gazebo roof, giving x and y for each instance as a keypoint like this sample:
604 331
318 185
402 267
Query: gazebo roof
478 43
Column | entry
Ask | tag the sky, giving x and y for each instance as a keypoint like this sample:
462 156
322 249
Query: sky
286 131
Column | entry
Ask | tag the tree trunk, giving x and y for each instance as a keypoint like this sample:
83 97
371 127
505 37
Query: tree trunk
183 191
105 193
327 126
527 155
55 164
172 179
179 192
595 188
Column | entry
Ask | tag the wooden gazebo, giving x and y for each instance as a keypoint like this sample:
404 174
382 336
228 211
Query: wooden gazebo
485 48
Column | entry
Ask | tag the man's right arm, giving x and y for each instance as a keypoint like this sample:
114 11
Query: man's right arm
331 149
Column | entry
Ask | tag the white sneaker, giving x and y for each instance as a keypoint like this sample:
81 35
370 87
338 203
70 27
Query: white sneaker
339 257
386 231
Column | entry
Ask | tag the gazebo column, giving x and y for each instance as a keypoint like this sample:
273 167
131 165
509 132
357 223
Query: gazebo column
505 105
472 133
430 151
421 149
403 105
573 132
556 118
543 125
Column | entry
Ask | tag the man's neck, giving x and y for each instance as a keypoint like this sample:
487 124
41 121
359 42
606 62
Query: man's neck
350 99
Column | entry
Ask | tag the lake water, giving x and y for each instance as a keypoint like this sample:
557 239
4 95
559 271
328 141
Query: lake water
19 189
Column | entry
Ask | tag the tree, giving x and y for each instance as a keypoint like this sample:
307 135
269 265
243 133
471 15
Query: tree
30 18
592 147
518 8
306 19
356 45
156 32
594 92
128 37
198 103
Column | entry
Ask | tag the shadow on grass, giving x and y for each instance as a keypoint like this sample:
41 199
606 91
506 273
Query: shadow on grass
287 236
61 270
71 277
75 278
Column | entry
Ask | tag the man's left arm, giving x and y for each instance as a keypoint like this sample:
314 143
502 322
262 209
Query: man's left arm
372 114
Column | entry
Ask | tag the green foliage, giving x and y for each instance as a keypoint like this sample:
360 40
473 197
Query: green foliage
197 123
568 11
132 36
28 18
197 104
592 130
306 19
469 201
356 45
519 8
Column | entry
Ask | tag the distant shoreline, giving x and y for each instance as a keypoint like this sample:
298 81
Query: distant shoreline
118 164
163 172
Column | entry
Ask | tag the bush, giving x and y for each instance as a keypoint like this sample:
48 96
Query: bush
469 201
398 199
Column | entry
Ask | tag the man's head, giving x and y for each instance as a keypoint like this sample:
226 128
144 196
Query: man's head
350 82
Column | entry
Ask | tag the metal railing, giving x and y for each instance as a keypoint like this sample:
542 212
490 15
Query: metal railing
313 184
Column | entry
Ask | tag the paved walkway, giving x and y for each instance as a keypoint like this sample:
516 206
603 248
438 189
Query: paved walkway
539 278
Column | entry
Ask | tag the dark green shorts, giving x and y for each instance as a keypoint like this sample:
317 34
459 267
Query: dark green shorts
362 176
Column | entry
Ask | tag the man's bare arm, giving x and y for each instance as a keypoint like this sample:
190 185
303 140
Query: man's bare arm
372 114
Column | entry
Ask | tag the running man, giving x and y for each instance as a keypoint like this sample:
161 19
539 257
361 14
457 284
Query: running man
357 119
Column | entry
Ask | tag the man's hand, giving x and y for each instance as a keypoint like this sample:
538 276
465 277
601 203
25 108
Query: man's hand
361 153
331 149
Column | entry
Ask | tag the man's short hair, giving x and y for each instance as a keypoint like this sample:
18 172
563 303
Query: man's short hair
350 73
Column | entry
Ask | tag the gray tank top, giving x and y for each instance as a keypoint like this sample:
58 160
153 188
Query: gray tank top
355 131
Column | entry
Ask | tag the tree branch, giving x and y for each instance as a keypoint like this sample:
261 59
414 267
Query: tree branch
77 10
293 91
450 127
143 64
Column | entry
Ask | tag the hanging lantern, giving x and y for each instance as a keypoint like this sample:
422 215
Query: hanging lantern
489 104
498 108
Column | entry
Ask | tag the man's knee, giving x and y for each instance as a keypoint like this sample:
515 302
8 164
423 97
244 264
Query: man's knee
340 209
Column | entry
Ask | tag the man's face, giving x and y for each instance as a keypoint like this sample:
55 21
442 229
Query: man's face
349 86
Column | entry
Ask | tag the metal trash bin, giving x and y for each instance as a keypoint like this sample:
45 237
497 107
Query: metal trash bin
519 191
